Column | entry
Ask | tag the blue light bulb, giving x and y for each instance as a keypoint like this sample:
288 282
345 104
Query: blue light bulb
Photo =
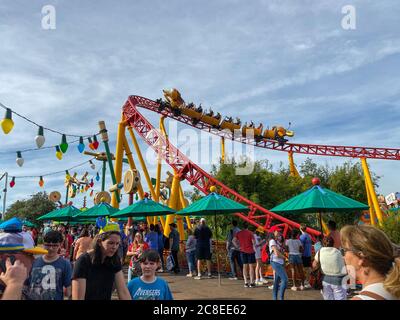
81 145
97 177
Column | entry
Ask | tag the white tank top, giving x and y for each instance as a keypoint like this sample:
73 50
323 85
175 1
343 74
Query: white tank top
378 289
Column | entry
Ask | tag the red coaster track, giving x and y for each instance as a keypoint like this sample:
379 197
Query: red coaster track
257 216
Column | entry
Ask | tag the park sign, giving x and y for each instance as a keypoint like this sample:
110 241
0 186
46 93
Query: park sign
391 198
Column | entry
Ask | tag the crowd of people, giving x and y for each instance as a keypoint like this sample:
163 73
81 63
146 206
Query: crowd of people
86 263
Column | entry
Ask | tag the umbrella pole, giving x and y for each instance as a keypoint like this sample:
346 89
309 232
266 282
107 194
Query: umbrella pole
320 222
216 248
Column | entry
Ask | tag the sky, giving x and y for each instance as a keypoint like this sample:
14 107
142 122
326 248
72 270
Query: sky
272 61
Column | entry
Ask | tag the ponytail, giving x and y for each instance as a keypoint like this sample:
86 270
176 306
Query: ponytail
392 281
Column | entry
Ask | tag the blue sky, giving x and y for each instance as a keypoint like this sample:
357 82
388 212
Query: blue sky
269 61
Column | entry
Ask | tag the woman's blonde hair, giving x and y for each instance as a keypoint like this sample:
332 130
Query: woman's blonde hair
378 252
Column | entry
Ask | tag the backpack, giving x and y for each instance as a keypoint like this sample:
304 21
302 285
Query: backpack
170 262
265 254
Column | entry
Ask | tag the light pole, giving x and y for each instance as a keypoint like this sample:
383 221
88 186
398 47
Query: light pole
5 194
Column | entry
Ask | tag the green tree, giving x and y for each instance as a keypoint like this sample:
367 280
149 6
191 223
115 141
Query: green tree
269 187
32 208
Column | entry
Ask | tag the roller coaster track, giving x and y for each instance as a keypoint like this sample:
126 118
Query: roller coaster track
311 149
186 169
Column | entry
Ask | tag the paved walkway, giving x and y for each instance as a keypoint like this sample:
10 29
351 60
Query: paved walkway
185 288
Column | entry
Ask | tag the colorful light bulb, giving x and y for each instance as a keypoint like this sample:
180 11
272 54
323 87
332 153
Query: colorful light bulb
81 145
95 143
7 124
12 183
20 160
58 153
136 197
64 144
91 144
39 139
82 189
91 193
41 182
97 177
67 175
92 165
91 183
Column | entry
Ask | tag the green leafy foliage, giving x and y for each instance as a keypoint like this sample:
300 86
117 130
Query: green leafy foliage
32 208
391 226
269 187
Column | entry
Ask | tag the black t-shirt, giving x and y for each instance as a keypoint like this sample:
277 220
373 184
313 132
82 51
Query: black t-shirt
99 278
203 235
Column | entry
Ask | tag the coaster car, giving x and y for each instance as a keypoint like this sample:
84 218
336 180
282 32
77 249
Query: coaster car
210 120
190 110
250 129
277 133
173 97
227 123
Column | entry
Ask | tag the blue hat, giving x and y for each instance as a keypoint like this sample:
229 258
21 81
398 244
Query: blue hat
12 225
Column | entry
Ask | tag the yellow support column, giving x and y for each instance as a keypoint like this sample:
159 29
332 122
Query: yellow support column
179 222
119 154
372 217
371 190
172 203
132 164
183 205
292 167
223 150
158 178
324 227
142 163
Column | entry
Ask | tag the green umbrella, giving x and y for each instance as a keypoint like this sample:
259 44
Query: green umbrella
212 205
65 214
29 224
144 208
102 209
318 200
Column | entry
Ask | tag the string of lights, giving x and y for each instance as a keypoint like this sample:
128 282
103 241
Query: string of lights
7 125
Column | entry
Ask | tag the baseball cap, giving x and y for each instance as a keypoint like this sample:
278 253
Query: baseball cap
275 228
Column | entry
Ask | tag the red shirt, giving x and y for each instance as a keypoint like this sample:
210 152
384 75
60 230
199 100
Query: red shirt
245 238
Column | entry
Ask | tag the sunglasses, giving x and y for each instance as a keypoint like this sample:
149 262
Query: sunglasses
51 244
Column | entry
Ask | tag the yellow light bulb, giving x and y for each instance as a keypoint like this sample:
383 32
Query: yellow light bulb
7 125
59 155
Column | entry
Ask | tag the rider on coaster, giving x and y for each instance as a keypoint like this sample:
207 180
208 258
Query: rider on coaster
199 108
238 121
218 116
228 119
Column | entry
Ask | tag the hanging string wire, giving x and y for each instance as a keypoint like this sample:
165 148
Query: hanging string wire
45 128
53 173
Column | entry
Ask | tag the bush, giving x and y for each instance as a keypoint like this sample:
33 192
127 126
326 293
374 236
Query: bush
391 226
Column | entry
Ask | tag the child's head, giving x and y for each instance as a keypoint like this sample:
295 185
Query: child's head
149 262
52 241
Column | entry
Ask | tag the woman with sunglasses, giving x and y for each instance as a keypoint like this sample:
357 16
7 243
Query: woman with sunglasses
96 271
372 257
